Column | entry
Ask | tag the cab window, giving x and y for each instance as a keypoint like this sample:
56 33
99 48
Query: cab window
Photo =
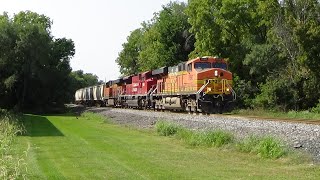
189 67
219 65
202 65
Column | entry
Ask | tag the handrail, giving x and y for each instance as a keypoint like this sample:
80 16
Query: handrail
150 91
202 88
234 95
154 90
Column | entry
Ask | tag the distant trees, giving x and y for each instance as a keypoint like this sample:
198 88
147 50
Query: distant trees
34 66
272 46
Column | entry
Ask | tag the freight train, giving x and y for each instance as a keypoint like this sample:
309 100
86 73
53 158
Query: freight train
200 85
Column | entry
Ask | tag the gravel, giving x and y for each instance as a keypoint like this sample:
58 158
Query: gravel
296 135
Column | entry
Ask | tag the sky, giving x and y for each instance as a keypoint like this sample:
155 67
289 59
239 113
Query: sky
97 27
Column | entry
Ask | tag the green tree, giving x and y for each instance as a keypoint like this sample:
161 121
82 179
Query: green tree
165 41
128 57
34 71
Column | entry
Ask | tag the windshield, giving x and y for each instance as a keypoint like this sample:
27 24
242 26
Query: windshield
219 65
202 65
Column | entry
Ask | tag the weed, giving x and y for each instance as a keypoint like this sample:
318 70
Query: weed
266 147
166 129
248 145
209 138
11 166
269 147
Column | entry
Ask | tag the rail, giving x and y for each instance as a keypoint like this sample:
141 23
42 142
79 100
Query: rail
234 95
151 92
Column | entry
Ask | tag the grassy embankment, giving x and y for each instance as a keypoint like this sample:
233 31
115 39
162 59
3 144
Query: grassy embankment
66 147
12 166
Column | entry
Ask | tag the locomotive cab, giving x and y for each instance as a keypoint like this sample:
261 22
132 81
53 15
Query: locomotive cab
213 83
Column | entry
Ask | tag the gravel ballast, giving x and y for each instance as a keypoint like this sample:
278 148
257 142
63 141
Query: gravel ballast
296 135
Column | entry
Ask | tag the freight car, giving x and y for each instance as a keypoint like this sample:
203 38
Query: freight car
198 85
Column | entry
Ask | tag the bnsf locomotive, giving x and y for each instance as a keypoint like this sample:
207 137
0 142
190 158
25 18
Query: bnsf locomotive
198 85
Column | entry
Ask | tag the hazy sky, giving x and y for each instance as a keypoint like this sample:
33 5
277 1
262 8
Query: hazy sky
98 27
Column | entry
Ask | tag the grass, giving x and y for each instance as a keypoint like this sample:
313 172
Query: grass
205 138
88 147
193 138
301 115
12 166
166 129
266 147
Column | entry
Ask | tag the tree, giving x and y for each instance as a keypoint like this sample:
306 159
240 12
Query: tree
163 41
128 57
34 71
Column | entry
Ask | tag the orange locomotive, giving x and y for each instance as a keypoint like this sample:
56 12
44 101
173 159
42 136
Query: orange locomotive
198 85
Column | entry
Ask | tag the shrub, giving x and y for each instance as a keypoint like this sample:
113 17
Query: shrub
166 129
317 108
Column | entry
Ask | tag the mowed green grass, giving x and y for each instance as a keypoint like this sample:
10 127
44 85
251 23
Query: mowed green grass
64 147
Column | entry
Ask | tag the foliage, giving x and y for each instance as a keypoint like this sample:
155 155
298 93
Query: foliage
271 46
128 57
270 148
78 79
34 66
207 138
162 41
266 147
166 129
11 165
316 109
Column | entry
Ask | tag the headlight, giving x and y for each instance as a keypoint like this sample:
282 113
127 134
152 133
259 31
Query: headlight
216 73
228 89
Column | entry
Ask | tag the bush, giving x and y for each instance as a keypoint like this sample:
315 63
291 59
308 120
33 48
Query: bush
316 109
166 129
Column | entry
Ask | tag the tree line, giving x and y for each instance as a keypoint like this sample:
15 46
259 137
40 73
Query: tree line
272 46
35 72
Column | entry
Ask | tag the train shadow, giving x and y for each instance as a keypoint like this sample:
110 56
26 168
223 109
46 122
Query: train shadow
39 126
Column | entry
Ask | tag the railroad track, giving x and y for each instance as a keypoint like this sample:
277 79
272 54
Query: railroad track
251 118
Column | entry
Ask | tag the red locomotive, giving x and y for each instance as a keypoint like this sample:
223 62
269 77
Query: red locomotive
198 85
